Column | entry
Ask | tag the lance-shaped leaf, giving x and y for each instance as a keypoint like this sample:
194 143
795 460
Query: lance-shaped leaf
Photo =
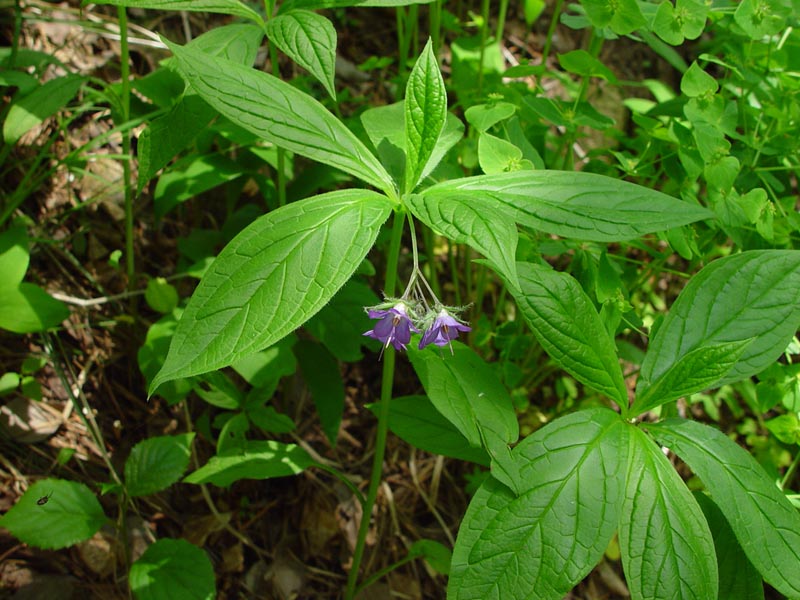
748 296
568 327
279 113
539 544
667 548
491 232
693 372
425 112
225 7
764 521
584 206
271 278
310 40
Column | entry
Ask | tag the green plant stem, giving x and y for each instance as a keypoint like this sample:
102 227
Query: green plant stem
501 20
787 478
551 31
125 74
435 25
484 35
383 414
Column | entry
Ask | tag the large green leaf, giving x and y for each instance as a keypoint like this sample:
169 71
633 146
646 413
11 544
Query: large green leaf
764 521
490 232
666 545
279 113
272 277
225 7
467 392
253 460
425 114
171 569
578 205
568 327
748 296
539 544
310 40
738 579
55 513
321 373
156 463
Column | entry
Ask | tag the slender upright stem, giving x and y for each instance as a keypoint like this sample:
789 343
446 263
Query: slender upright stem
484 35
501 20
551 31
383 415
125 74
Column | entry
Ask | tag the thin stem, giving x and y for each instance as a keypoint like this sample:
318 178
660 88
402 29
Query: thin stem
435 25
484 36
551 31
787 478
383 415
501 20
125 74
383 572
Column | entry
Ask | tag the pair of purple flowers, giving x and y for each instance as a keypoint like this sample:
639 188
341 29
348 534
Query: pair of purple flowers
395 325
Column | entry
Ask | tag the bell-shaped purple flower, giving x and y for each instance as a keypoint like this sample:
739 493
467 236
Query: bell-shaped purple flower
394 327
444 329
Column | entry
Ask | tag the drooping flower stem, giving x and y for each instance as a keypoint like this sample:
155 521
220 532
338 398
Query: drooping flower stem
387 380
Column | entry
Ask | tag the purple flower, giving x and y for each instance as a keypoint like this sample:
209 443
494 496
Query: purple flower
394 327
444 330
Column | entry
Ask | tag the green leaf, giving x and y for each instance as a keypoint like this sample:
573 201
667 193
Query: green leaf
265 368
269 420
747 296
171 569
9 382
490 232
568 327
161 296
254 460
582 63
467 392
218 390
785 427
415 420
27 308
271 278
54 513
279 113
434 553
324 381
496 155
764 521
309 40
385 127
156 463
695 371
622 16
667 548
425 114
43 102
579 205
761 18
484 116
317 4
544 541
14 255
738 579
225 7
696 82
167 135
